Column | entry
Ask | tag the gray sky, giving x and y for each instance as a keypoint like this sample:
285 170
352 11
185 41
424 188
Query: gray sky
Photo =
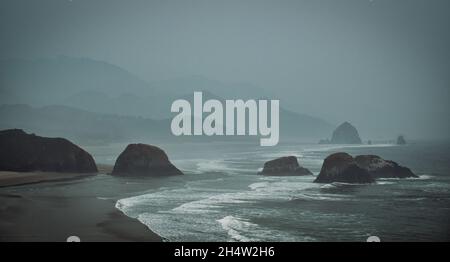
373 63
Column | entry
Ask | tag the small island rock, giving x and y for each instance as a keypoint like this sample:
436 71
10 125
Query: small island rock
346 133
284 166
342 167
144 160
401 140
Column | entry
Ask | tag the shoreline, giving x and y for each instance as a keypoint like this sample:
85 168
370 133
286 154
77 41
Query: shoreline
42 217
12 178
55 219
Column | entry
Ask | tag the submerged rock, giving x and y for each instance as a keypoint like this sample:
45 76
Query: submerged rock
342 167
284 166
380 168
345 134
144 160
22 152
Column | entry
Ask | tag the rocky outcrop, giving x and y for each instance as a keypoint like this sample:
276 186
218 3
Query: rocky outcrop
342 167
144 160
345 134
284 166
380 168
401 140
22 152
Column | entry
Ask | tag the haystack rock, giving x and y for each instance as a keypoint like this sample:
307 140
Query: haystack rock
380 168
342 167
345 134
22 152
284 166
144 160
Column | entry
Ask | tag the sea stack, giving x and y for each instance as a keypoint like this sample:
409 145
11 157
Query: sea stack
380 168
342 167
284 166
144 160
22 152
401 140
346 133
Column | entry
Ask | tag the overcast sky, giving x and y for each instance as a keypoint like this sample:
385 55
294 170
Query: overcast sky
374 63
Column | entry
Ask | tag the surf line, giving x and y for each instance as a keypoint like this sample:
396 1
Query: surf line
213 123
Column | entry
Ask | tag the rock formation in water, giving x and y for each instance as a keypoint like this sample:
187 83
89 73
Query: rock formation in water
380 168
144 160
345 134
22 152
284 166
342 167
401 140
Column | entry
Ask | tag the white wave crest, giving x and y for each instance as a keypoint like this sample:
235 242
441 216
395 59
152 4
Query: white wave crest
236 228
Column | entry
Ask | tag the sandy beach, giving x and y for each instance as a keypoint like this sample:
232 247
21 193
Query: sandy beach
27 214
8 178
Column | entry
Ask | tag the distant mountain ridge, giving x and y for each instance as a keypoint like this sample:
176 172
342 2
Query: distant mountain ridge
102 88
88 127
79 125
58 78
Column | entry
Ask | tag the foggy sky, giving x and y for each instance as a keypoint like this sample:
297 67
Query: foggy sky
380 64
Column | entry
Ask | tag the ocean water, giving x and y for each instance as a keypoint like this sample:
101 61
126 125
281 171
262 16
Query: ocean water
221 197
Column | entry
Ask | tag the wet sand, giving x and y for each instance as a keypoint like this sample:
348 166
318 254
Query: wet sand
30 216
8 178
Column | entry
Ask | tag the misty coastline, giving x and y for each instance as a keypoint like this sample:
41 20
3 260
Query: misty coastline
228 179
143 120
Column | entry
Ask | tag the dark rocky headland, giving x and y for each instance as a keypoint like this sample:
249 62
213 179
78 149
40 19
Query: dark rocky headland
22 152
